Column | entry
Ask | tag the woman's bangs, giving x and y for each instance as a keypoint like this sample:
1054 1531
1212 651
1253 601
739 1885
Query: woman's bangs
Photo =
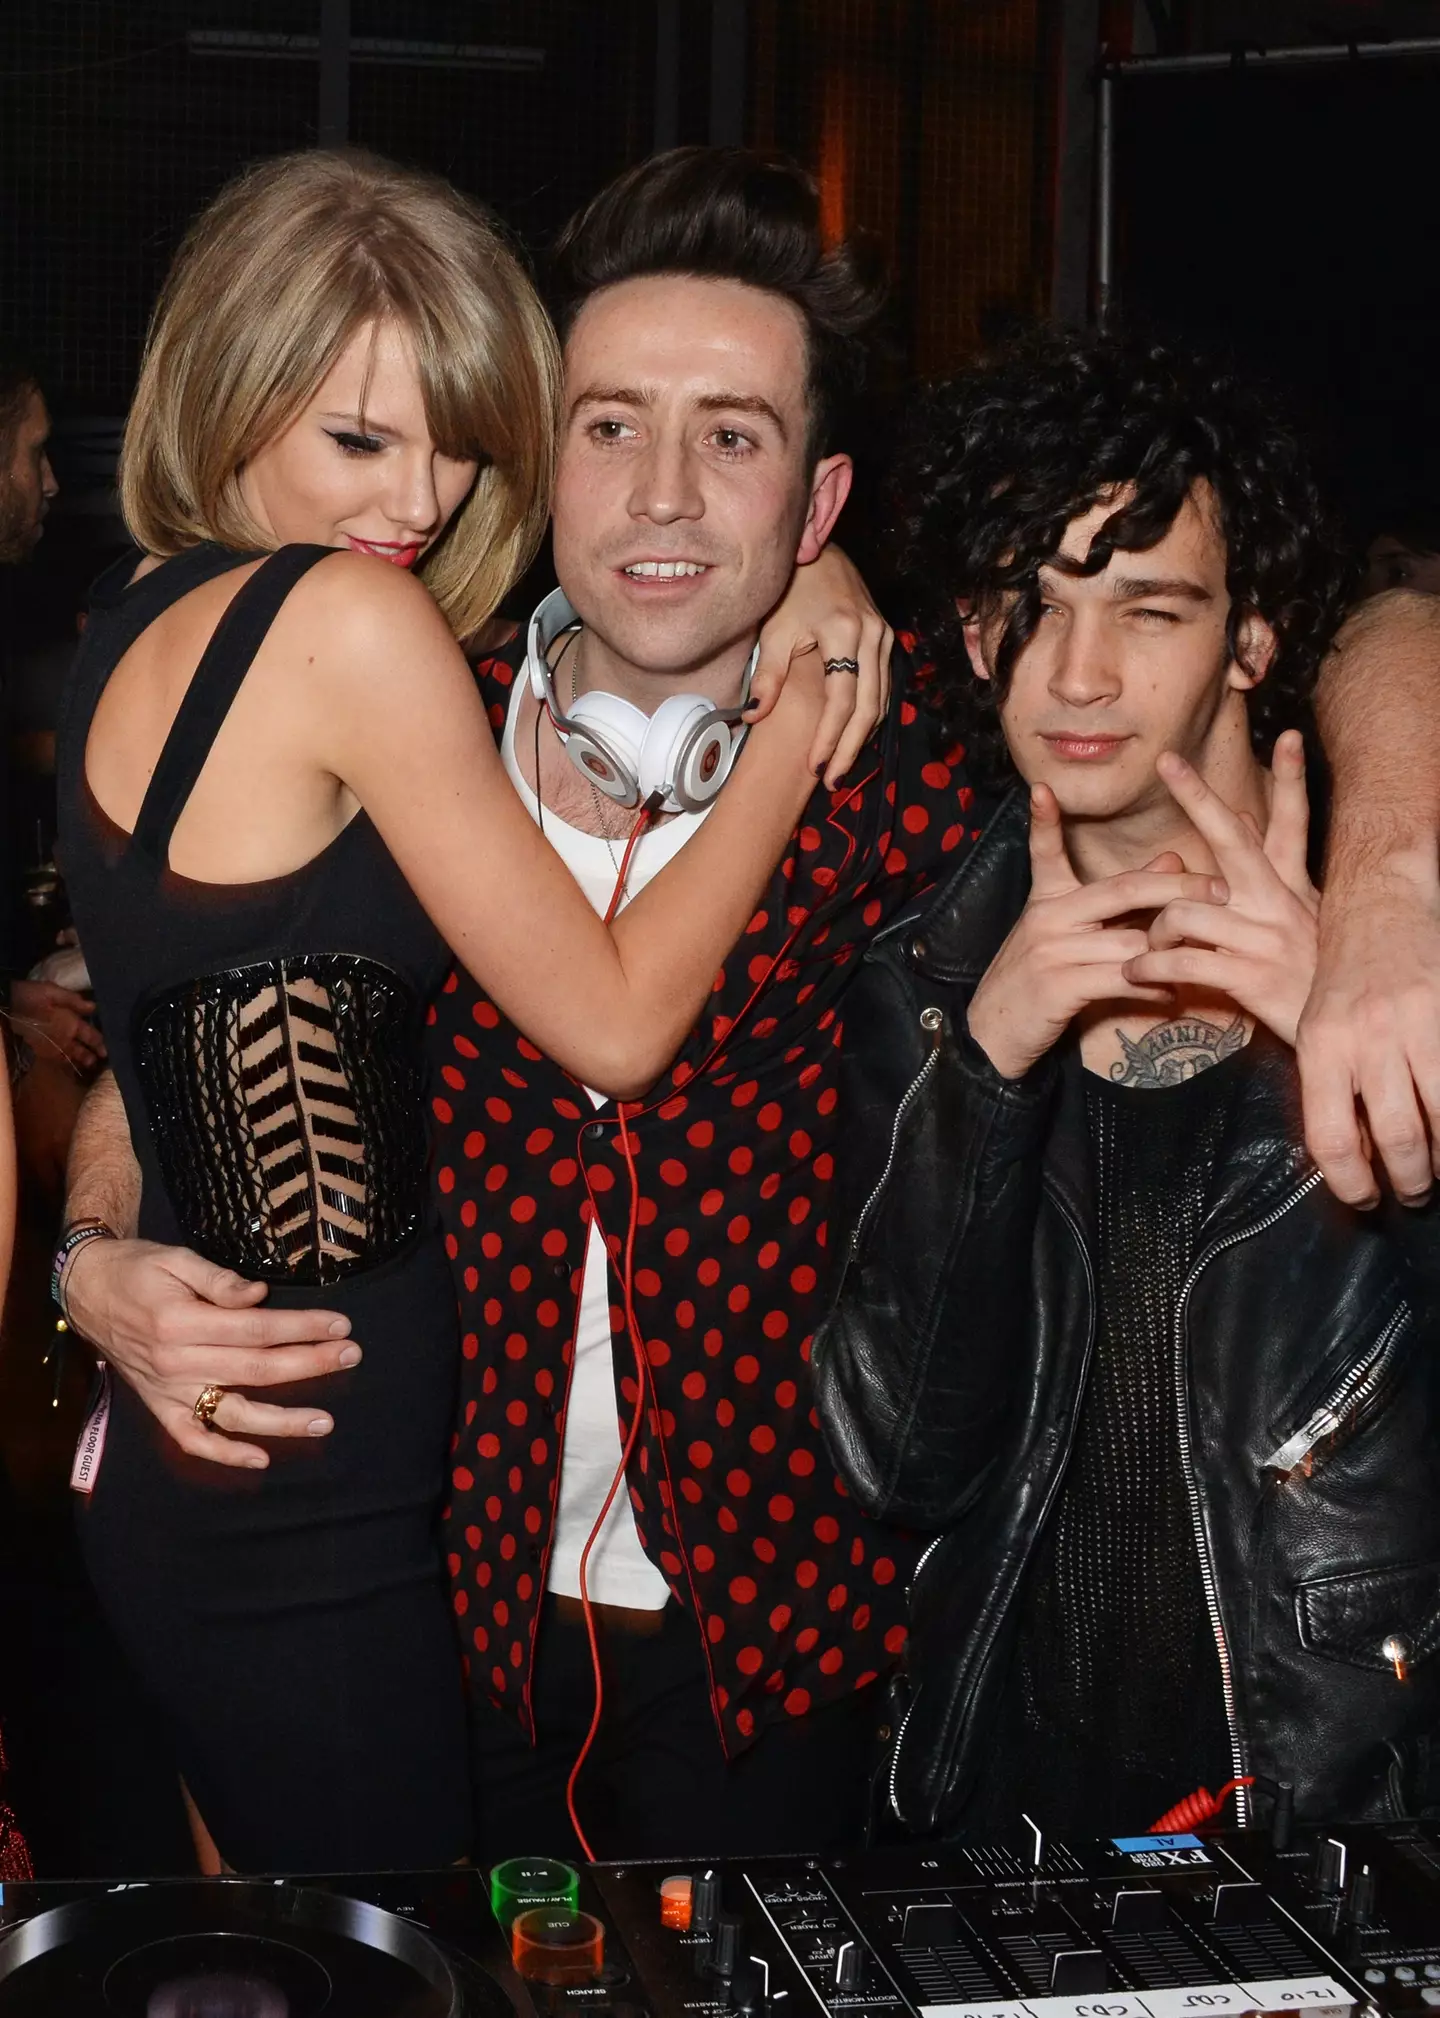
455 357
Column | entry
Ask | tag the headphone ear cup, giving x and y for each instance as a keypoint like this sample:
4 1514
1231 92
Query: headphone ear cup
704 764
604 739
671 729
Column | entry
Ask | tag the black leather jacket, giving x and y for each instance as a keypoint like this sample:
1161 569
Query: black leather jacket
951 1370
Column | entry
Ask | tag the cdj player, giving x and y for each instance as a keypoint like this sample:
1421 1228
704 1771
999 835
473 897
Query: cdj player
1144 1927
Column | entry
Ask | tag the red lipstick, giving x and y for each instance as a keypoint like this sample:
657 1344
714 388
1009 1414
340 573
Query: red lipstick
399 556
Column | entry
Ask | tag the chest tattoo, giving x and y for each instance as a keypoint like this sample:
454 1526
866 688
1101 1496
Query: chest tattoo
1175 1051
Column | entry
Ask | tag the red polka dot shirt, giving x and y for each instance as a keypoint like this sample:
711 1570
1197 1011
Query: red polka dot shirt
798 1597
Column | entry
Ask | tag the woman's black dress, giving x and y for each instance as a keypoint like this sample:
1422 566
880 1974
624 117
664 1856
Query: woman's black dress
293 1623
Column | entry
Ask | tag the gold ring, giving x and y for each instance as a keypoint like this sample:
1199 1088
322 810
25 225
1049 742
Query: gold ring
206 1403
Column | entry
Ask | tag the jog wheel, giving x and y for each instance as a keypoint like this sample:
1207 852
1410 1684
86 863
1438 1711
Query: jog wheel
233 1949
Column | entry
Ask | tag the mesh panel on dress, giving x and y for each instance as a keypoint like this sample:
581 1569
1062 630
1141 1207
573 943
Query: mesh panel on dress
288 1114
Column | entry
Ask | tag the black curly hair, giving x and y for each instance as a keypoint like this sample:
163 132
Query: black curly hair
1000 459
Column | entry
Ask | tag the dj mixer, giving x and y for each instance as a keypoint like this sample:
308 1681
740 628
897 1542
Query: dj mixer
1144 1927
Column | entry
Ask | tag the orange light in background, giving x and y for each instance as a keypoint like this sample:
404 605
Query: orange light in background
833 176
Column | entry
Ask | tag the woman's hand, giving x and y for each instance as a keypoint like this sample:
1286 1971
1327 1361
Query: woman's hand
1259 947
828 611
1065 950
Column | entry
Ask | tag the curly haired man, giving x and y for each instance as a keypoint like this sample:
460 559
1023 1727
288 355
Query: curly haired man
1169 1405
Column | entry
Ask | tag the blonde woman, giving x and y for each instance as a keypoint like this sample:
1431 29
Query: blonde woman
280 800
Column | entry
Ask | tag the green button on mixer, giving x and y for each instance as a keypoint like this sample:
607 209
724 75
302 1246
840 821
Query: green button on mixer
523 1882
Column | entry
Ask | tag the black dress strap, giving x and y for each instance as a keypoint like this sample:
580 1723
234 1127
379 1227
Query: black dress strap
211 692
117 611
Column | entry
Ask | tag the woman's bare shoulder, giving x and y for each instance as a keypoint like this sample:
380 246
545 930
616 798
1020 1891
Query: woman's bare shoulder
360 625
350 598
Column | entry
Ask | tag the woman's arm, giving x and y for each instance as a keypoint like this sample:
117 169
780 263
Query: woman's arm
1370 1035
394 714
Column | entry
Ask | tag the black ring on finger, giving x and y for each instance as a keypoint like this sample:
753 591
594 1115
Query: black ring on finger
841 666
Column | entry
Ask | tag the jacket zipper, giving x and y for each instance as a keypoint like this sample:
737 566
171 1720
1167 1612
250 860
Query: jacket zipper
1349 1398
933 1022
1192 1487
1089 1267
925 1555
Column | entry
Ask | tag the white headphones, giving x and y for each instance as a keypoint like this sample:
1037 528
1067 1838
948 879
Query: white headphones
681 755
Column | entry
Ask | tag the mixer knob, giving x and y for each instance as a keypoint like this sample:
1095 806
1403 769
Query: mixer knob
750 1986
1360 1899
724 1945
704 1902
1330 1861
849 1974
1075 1971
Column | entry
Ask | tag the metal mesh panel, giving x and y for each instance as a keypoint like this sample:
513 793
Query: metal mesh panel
543 101
117 124
924 122
112 135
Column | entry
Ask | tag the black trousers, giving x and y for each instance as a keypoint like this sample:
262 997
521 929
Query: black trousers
656 1783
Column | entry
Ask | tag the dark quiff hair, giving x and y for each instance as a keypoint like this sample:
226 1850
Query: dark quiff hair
1001 459
731 213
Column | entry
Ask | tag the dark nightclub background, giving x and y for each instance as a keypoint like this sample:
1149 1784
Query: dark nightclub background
1287 215
1282 211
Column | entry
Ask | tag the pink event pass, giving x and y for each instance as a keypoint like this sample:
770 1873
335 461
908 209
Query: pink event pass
91 1447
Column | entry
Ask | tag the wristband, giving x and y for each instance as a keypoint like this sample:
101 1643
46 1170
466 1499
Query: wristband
73 1238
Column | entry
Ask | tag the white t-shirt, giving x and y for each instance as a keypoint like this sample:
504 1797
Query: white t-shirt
619 1571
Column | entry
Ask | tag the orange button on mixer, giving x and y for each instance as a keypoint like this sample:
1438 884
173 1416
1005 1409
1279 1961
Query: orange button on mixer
550 1944
675 1903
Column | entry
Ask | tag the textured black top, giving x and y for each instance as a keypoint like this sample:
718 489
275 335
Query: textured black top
1113 1708
267 1037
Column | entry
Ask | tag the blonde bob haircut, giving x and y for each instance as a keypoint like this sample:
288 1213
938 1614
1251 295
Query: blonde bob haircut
271 284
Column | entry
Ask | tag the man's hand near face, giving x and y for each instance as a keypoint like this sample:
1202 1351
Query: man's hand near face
1258 946
1073 945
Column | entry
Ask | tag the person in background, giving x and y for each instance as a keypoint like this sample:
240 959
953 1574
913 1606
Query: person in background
51 1019
1404 552
27 481
1169 1406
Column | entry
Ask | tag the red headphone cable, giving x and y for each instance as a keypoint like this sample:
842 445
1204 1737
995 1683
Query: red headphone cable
1201 1806
642 1370
641 1375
